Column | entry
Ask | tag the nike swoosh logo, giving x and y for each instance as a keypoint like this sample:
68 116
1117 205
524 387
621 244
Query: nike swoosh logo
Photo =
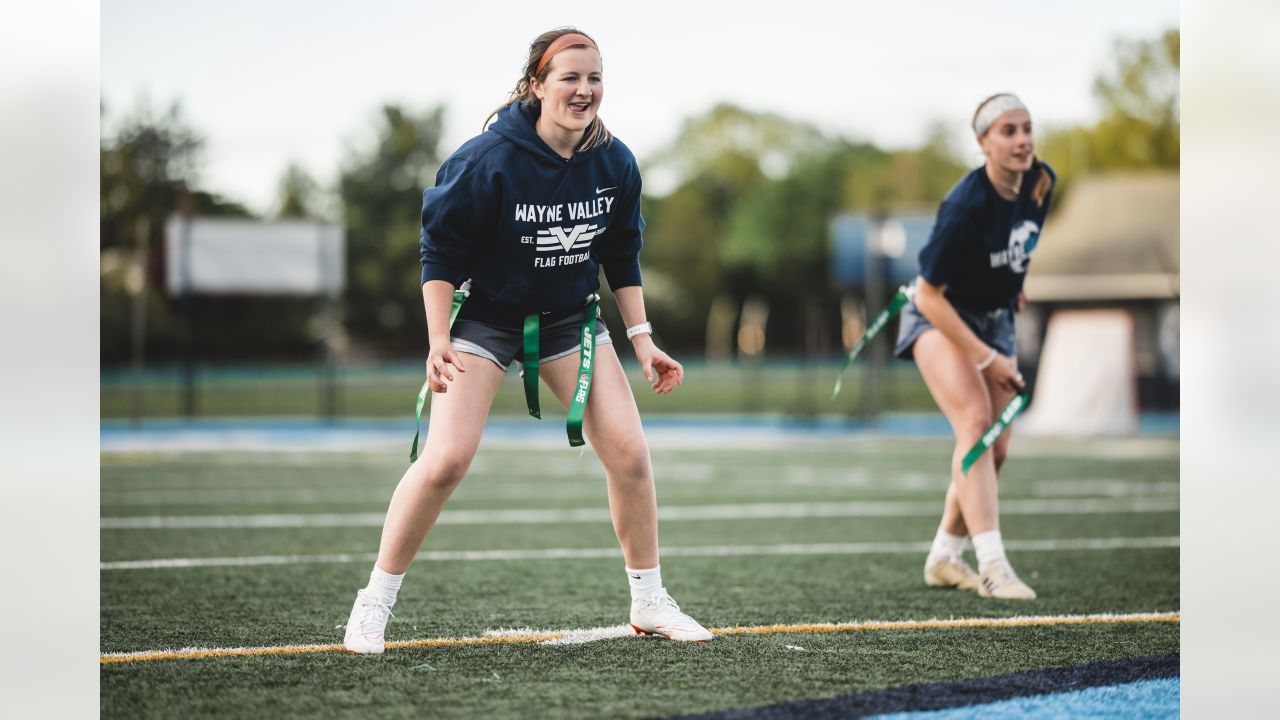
600 189
636 577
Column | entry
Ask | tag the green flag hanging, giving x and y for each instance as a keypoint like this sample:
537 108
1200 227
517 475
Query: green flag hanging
586 365
899 301
459 296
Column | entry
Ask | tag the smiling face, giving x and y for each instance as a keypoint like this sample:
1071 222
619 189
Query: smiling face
570 94
1008 143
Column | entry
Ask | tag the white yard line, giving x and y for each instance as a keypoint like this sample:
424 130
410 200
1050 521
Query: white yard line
670 513
1102 486
871 548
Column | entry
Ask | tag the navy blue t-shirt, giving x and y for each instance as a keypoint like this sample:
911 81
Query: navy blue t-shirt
531 229
981 244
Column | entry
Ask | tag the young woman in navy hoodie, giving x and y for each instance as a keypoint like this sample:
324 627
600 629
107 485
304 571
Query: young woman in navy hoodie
529 211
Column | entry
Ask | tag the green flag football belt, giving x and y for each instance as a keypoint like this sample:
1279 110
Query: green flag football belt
1010 411
899 301
531 333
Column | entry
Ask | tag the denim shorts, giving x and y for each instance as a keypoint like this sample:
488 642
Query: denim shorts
555 340
995 328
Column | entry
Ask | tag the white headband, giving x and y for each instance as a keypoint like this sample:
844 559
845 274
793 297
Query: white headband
994 108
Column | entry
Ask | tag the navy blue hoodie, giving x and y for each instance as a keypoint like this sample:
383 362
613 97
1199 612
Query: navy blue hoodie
530 228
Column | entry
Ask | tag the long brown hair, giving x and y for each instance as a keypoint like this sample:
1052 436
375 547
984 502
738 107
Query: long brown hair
1044 183
596 133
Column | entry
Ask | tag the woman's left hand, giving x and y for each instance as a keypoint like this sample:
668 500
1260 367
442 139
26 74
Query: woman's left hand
1021 303
659 368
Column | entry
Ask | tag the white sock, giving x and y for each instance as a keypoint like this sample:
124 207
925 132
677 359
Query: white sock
645 582
990 548
946 545
385 585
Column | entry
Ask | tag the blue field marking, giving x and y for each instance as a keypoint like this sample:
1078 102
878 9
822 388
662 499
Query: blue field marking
1009 695
1131 701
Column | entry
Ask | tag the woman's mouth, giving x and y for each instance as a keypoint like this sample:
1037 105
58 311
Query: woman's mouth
579 107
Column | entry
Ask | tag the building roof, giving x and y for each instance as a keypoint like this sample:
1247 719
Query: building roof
1117 237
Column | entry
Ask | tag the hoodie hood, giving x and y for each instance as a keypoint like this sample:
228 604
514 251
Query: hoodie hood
517 123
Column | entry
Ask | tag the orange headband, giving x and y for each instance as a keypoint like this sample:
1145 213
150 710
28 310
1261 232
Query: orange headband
561 43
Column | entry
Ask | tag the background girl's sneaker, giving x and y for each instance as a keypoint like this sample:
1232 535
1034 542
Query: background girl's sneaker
1000 582
949 571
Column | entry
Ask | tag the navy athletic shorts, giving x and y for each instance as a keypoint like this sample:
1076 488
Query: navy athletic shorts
995 328
555 340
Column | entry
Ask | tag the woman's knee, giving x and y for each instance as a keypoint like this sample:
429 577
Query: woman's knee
629 460
970 425
443 470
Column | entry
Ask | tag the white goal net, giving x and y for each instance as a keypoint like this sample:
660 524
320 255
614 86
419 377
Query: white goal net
1087 380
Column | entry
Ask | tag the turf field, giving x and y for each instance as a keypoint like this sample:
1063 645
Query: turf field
763 540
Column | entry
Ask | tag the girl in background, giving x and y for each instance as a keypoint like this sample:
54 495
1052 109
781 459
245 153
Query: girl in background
960 331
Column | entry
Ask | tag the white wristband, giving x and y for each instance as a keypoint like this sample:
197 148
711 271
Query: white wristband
640 329
990 359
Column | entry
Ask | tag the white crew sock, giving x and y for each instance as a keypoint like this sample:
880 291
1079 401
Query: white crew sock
946 545
990 549
384 585
645 582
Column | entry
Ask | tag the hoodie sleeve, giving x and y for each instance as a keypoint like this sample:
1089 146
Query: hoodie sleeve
619 254
454 214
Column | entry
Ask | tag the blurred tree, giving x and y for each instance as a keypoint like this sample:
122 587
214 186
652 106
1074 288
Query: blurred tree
148 166
1140 124
301 197
685 229
381 190
751 214
720 160
727 140
1144 85
778 238
144 165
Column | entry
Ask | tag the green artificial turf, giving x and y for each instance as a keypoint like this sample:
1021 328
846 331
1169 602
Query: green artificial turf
306 603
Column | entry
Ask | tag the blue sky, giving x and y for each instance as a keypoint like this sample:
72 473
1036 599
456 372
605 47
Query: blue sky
271 81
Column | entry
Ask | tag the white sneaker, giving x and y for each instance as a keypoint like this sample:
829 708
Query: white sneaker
949 571
367 624
660 615
1000 582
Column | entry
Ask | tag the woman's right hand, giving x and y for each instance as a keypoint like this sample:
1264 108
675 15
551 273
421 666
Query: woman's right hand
1003 373
442 355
